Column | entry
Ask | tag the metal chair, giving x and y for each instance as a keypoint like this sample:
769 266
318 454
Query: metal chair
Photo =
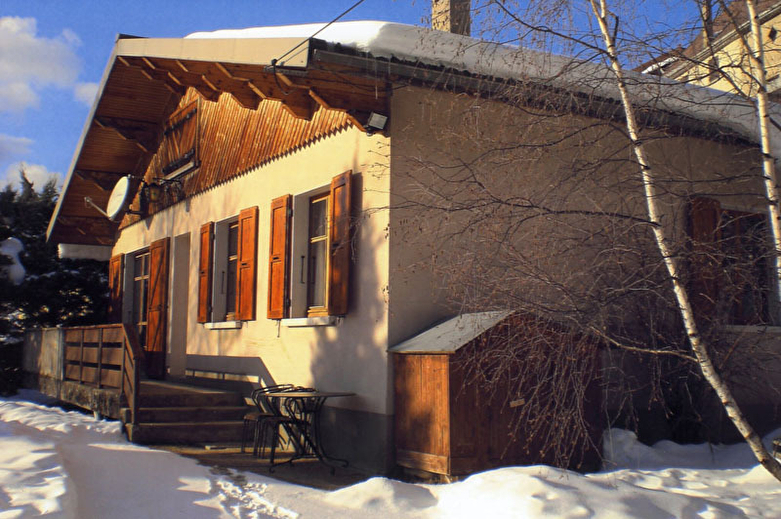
302 412
288 422
263 411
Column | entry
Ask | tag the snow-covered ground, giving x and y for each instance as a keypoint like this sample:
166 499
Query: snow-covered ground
55 463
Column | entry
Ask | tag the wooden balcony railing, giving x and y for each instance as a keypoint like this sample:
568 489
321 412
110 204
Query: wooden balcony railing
105 356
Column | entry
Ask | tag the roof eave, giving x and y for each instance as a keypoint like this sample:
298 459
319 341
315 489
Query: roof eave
77 152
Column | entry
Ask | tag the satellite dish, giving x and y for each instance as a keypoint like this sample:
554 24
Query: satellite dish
119 198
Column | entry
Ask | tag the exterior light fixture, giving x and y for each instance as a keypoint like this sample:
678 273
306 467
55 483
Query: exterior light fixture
376 122
153 192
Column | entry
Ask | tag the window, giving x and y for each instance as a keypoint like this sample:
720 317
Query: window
317 274
730 264
231 270
140 293
227 269
178 151
317 235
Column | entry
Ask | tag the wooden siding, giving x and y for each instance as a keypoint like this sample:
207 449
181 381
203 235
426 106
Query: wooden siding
446 423
422 417
231 140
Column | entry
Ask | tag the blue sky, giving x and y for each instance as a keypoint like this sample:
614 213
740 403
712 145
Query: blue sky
52 56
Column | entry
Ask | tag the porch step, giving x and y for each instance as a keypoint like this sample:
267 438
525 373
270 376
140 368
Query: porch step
187 414
185 432
174 413
157 395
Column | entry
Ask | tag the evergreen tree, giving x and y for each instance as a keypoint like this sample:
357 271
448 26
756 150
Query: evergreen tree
54 291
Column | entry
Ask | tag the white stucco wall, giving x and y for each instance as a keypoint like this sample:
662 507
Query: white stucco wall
349 356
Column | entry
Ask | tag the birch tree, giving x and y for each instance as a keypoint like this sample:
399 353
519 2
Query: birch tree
573 212
603 17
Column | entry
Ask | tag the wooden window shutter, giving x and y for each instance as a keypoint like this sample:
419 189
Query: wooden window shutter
115 288
704 217
247 269
704 220
339 229
279 258
157 308
205 267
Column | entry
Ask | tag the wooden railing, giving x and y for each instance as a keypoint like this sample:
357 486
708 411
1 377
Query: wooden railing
106 356
132 362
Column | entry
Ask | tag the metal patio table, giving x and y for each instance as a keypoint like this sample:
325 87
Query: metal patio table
305 408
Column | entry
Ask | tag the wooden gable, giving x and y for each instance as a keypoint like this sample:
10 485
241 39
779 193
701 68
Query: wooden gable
171 107
222 140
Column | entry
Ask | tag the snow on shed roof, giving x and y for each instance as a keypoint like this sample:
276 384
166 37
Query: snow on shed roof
452 51
451 335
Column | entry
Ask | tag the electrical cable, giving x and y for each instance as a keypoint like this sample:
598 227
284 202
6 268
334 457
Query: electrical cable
321 29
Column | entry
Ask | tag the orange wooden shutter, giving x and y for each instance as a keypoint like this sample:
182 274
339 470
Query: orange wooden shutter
279 258
247 275
339 229
157 305
705 214
115 289
205 272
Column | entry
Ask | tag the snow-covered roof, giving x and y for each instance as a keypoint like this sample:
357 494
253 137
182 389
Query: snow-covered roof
409 51
425 46
452 334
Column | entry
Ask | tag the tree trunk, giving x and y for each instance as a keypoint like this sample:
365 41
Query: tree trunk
757 59
682 298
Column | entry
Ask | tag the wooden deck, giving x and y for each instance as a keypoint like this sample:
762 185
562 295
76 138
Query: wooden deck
100 368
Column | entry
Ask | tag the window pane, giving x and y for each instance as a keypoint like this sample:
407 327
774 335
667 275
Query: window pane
317 218
233 240
317 273
230 271
230 289
138 266
138 305
140 290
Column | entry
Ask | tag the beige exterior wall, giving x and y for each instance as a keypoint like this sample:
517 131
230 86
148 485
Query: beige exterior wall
584 165
349 356
562 163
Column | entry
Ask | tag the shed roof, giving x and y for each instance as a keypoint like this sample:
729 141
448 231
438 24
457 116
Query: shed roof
451 335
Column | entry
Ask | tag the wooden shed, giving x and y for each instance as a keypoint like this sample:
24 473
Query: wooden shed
449 422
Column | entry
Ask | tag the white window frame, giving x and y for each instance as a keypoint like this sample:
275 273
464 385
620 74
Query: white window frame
299 252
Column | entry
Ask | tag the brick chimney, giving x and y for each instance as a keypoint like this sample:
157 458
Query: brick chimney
451 16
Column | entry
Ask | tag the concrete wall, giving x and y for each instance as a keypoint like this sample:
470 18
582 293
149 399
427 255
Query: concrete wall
346 356
42 365
43 352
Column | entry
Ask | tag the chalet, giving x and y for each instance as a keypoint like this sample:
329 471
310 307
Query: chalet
264 197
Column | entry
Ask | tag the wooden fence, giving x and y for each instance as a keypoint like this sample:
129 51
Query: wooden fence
106 357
